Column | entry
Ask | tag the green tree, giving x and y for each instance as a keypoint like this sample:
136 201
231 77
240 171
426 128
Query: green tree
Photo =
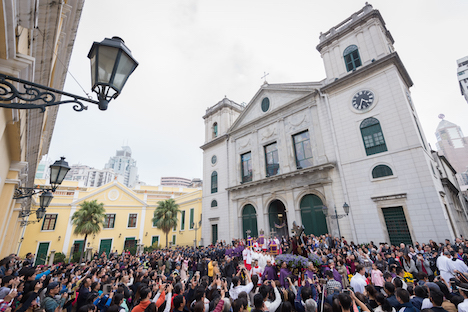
165 216
88 220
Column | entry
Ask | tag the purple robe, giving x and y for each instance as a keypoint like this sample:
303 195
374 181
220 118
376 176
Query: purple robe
269 274
309 274
283 274
336 275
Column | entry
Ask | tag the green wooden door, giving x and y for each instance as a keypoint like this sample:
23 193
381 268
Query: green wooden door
42 251
77 246
130 243
155 239
214 233
397 227
105 246
249 221
313 219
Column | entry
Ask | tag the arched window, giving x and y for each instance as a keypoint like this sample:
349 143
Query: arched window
214 182
215 130
381 171
352 58
214 203
372 136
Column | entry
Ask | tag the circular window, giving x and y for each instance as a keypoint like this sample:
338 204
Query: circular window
213 159
265 104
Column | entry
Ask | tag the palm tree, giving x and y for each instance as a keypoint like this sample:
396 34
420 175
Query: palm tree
165 216
88 220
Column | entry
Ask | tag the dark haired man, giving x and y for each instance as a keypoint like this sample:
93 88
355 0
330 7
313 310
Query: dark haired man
437 298
358 281
403 298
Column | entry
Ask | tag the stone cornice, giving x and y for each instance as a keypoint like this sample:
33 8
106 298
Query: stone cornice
388 197
322 167
215 141
370 68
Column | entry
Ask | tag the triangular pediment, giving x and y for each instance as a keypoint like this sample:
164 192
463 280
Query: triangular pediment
279 95
113 194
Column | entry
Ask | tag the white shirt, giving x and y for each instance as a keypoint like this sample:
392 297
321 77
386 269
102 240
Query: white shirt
463 306
273 306
358 282
235 291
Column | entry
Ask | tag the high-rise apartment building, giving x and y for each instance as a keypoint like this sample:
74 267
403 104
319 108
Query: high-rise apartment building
462 72
454 146
124 167
89 176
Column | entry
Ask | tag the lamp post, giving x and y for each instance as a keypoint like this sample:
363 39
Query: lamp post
336 216
58 171
111 65
196 227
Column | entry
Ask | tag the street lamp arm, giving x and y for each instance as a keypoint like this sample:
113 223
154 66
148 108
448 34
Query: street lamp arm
36 92
338 216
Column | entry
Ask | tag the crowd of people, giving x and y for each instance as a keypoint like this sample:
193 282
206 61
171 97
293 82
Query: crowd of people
244 276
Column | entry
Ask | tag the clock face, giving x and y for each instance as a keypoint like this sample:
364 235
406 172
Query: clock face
363 100
213 159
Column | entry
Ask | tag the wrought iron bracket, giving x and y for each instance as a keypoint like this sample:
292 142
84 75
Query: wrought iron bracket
25 192
337 216
26 223
33 92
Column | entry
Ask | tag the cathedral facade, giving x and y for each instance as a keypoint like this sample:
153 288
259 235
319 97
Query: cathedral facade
345 155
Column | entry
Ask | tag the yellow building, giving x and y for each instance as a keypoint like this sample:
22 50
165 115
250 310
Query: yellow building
128 219
36 40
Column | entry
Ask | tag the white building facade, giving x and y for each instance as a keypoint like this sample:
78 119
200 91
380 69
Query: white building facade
462 73
352 138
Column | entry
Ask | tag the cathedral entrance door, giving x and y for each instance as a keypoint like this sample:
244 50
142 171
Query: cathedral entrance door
278 218
313 219
249 221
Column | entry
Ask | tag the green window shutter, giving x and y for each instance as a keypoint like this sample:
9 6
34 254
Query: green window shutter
372 136
381 171
214 182
397 227
352 58
173 239
182 220
191 225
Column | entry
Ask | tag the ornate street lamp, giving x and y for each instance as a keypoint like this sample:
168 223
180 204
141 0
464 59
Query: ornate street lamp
336 216
40 213
58 171
111 65
44 200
